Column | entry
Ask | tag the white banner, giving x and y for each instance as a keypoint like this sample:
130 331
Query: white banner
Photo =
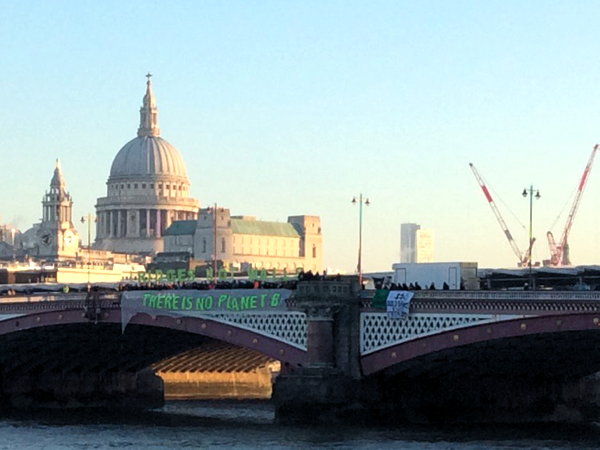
398 304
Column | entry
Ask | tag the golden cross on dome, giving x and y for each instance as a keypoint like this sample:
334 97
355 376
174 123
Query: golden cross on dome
148 75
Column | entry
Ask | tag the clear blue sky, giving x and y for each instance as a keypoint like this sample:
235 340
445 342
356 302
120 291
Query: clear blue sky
293 107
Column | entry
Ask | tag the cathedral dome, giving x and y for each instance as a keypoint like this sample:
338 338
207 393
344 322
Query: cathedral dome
147 157
147 190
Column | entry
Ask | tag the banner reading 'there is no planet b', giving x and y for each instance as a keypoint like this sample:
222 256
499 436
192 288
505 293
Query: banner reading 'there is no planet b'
197 303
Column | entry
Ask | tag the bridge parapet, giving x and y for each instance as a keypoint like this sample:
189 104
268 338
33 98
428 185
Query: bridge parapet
75 301
342 288
498 302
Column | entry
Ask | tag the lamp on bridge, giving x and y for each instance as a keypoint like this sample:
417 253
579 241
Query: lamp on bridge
537 196
360 202
14 246
215 266
89 219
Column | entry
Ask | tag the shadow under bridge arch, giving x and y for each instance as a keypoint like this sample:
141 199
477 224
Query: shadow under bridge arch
564 345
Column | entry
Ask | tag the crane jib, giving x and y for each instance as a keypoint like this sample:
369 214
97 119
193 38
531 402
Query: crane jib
583 178
558 254
496 211
487 194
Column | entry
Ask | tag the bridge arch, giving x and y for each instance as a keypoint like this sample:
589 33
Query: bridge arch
585 327
106 324
229 333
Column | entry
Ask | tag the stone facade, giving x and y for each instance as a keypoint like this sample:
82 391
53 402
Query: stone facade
243 242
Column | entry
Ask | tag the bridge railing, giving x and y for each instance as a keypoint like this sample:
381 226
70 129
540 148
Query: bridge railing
424 301
57 302
498 302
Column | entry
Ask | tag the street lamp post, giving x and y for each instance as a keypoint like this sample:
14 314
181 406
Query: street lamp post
214 262
14 247
360 202
89 218
537 195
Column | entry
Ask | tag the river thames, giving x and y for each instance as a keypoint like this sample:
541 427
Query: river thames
250 425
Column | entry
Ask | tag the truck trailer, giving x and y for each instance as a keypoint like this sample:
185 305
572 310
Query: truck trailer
456 275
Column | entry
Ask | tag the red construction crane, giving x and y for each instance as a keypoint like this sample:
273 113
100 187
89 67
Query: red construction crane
559 253
523 257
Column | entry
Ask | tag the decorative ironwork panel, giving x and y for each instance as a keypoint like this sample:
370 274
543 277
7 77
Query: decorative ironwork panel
289 327
378 331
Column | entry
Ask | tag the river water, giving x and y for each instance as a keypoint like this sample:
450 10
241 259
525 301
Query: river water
250 425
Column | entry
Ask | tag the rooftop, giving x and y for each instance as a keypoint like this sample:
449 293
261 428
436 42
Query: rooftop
181 227
263 228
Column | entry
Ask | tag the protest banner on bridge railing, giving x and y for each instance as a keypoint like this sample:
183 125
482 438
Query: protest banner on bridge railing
198 303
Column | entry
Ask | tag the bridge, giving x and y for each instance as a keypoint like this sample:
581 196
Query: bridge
458 355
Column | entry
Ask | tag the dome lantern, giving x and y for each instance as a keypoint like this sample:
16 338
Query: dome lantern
149 113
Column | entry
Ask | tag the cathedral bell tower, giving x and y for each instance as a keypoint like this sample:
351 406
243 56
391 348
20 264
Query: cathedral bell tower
57 237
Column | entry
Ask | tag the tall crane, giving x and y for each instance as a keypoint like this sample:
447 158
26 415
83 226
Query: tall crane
559 253
523 257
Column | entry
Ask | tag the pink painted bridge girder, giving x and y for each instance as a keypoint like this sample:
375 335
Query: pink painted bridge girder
231 334
559 323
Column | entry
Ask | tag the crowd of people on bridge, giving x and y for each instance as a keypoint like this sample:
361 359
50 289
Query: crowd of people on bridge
34 289
207 284
230 284
194 285
414 286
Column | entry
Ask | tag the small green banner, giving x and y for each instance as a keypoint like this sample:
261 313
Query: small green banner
379 300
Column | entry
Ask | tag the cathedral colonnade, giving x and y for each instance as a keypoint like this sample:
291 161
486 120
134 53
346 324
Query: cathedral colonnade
140 222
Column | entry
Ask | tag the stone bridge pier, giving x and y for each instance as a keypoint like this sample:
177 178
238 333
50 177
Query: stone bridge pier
329 384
